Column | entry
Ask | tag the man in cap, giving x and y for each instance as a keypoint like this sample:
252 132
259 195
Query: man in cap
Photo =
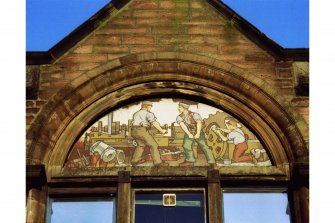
143 119
191 123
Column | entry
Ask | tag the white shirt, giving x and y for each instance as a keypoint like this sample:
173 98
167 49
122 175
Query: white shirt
143 118
237 136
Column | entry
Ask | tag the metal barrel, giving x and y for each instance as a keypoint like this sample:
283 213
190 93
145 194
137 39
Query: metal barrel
106 152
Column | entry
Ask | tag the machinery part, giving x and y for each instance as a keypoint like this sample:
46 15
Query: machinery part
214 142
211 126
108 153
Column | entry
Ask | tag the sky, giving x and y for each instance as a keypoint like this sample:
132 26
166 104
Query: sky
284 21
49 21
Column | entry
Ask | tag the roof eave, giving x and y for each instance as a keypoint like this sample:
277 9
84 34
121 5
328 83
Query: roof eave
38 57
75 36
255 35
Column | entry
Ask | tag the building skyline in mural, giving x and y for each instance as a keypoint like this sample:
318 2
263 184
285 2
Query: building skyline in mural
167 132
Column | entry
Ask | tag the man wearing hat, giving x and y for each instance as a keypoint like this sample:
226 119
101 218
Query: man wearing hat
191 123
142 120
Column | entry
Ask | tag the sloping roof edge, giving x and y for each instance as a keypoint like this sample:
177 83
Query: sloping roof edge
278 52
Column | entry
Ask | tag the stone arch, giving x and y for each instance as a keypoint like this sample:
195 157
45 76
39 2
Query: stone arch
166 73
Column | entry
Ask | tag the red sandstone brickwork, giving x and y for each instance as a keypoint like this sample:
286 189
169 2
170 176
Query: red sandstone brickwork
32 109
191 26
301 104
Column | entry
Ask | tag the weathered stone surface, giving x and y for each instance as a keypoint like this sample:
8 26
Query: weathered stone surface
32 81
182 42
166 47
84 49
36 206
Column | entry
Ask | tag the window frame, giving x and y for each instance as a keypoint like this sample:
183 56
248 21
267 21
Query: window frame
265 189
168 190
70 195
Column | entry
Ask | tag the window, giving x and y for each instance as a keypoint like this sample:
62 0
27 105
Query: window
189 207
82 211
258 207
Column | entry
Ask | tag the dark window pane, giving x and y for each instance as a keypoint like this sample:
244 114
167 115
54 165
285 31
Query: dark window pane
82 211
189 208
255 208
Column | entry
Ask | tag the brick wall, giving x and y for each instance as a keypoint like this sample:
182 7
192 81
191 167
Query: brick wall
32 109
191 26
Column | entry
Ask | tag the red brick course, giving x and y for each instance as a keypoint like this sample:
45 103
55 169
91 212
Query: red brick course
141 49
84 49
196 5
155 14
144 4
32 110
125 30
85 58
202 49
167 4
258 57
123 21
104 39
109 49
172 39
206 30
284 72
138 40
155 22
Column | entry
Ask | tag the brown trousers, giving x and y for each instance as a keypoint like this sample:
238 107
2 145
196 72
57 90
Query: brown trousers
144 138
239 156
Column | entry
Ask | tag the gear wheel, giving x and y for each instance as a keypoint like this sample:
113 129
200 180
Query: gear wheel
214 142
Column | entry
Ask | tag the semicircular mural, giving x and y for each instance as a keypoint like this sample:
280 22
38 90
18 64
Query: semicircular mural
167 132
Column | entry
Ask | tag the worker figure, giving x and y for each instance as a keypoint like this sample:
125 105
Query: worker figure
143 119
191 123
234 132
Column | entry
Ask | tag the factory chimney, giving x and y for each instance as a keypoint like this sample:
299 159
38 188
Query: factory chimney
110 122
